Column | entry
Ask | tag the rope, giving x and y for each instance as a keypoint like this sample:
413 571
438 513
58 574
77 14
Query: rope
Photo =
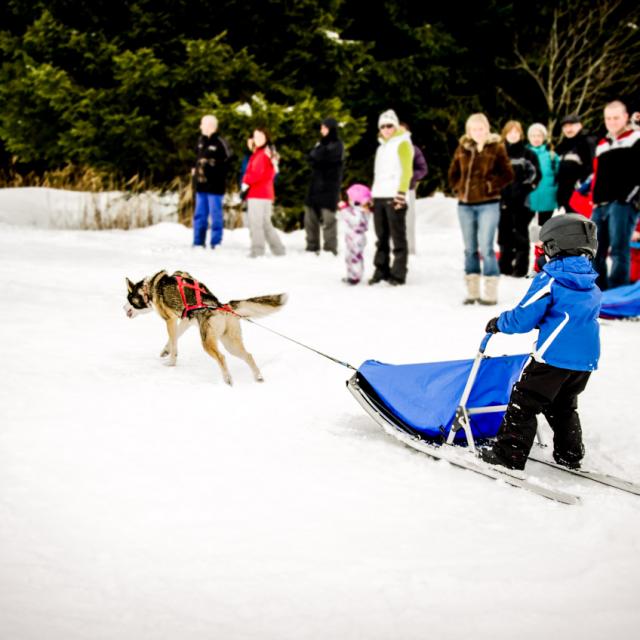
320 353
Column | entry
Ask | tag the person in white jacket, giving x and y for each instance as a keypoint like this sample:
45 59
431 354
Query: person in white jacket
392 176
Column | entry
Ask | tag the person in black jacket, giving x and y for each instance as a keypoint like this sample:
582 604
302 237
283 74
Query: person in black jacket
327 162
576 152
515 214
209 173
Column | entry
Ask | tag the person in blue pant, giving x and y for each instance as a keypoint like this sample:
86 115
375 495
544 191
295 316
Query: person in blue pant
616 185
563 302
210 172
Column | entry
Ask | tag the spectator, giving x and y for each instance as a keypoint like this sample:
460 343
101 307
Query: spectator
616 185
543 199
210 172
480 169
356 217
258 186
391 180
327 162
515 214
576 157
420 171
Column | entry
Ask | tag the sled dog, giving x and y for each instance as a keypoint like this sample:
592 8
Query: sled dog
180 301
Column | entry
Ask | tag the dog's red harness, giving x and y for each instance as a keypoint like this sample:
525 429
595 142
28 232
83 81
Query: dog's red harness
195 285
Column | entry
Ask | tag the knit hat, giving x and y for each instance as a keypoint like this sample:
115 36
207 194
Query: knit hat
538 126
572 118
359 193
388 117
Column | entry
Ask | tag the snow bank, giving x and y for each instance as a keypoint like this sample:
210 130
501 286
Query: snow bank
61 209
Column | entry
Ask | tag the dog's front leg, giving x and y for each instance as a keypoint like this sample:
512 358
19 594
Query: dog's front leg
173 342
183 325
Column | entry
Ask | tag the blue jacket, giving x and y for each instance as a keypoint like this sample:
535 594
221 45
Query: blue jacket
563 302
544 196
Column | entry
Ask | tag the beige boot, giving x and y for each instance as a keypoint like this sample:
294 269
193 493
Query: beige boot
490 296
473 288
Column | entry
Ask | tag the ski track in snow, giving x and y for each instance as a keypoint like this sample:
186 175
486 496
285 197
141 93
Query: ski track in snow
142 501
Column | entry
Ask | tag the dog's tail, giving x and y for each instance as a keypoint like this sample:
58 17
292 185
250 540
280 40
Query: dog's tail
258 307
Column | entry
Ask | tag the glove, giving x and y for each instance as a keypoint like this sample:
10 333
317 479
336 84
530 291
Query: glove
400 202
492 326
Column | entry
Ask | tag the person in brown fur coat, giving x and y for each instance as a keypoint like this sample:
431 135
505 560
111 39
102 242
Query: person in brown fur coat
480 169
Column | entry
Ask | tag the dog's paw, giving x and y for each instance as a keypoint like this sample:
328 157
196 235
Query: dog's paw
164 353
171 362
228 380
259 378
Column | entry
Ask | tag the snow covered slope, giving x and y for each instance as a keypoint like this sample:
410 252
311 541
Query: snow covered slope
139 501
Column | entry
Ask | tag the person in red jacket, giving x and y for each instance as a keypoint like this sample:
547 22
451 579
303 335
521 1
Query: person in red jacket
257 186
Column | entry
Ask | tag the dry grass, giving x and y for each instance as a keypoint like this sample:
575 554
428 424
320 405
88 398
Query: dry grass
116 203
112 202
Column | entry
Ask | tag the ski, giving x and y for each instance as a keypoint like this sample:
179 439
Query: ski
460 457
596 476
454 455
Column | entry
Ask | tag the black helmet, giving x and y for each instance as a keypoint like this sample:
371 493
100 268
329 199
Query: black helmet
569 234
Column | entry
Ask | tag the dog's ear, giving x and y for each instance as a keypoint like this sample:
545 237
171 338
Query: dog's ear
130 285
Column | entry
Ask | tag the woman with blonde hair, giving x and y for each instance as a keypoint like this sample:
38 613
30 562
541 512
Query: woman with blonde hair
480 169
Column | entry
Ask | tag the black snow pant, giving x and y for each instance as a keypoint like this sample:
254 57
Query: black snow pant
554 393
513 238
391 226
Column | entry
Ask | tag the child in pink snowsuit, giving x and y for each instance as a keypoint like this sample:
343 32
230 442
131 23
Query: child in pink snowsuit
356 215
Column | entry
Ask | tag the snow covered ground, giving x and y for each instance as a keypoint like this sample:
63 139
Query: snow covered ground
139 501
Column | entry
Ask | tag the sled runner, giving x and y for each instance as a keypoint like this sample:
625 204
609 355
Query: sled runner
431 406
450 401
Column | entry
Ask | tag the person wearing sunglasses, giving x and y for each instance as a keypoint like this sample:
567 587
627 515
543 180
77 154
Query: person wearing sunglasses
393 170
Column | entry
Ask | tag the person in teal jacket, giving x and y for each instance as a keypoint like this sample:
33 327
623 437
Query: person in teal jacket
543 199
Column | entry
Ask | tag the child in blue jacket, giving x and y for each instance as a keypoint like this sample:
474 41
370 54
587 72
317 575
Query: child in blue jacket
563 302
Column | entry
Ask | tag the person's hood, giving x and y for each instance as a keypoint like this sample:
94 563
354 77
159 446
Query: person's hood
573 272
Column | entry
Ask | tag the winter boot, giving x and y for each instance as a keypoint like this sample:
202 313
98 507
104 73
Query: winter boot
491 456
490 296
473 288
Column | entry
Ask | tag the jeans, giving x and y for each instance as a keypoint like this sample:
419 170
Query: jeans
615 223
479 223
208 205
